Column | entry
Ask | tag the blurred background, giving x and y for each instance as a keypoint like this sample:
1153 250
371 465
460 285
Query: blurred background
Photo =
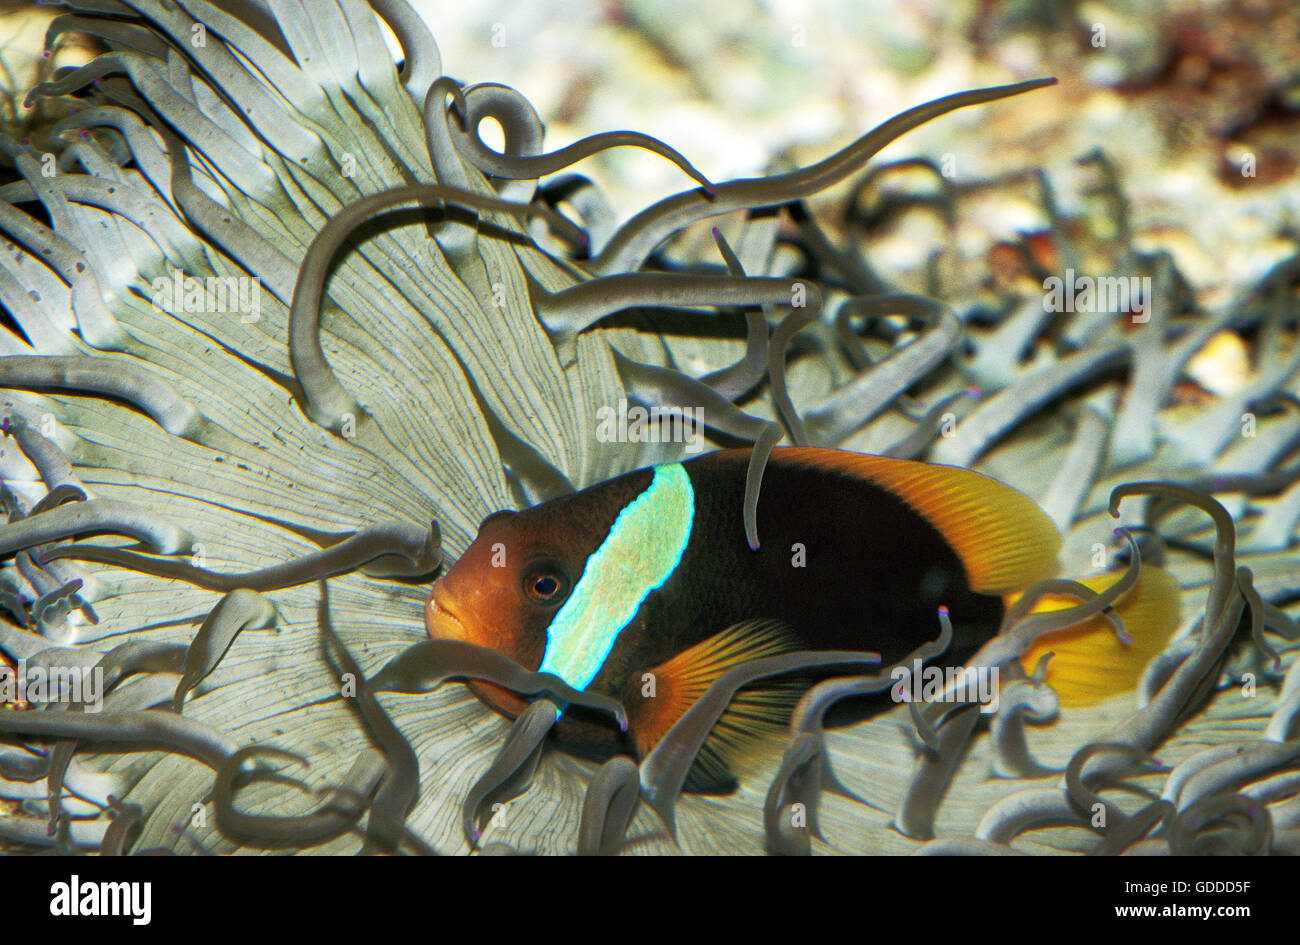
1196 104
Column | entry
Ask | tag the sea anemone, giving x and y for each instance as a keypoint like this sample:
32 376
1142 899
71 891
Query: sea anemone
281 330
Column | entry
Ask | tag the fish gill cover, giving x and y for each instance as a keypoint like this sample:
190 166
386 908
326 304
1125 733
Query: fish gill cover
281 329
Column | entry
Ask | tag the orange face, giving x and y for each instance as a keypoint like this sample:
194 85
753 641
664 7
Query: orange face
505 589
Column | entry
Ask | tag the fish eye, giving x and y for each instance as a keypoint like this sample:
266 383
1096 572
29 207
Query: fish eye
545 586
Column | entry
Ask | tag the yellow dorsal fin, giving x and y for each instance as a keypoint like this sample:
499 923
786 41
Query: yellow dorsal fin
1004 540
754 713
1090 662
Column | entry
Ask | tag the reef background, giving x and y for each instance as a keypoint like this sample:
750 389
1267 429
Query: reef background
1178 97
1178 94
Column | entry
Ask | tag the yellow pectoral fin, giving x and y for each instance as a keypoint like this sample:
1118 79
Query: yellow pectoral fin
1091 663
754 712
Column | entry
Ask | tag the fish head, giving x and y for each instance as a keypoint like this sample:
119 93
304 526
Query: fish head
505 590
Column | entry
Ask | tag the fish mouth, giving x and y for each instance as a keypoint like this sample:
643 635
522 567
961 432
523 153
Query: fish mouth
441 622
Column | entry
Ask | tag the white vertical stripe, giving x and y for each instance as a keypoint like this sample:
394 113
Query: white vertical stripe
643 548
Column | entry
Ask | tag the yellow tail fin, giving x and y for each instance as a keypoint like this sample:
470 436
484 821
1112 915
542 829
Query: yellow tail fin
1090 662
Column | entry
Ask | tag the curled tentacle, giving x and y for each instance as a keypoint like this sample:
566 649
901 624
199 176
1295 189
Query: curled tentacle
1032 807
1016 638
121 379
326 401
608 808
638 237
94 515
457 239
926 791
855 404
798 764
1225 533
163 729
1246 586
1249 828
128 821
427 664
237 611
1188 767
724 415
512 769
1224 607
138 656
1005 409
535 166
521 128
1085 799
927 427
394 549
343 805
805 767
1023 699
571 311
1247 762
1132 830
386 829
1288 706
1020 630
50 461
732 382
422 62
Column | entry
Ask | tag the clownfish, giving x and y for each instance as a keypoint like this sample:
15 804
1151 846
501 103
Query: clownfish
644 588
